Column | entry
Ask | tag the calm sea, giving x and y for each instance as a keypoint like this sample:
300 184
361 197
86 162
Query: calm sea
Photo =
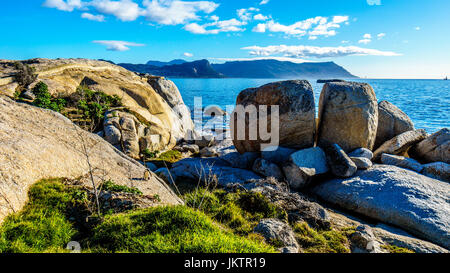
427 102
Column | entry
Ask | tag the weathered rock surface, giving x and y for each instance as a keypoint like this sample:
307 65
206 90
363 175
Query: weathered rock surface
364 239
362 152
400 144
275 230
296 115
211 170
278 155
64 76
435 148
348 116
402 162
437 170
304 165
340 164
267 169
37 144
416 203
362 163
240 161
391 122
165 175
298 207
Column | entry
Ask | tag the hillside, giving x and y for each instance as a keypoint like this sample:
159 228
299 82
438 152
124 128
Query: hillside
269 69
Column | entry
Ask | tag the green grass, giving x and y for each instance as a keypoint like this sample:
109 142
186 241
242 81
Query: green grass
51 218
326 241
396 249
176 229
113 187
239 211
42 225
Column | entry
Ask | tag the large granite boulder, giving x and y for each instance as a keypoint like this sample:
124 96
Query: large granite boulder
391 122
296 116
159 108
211 170
413 202
348 116
303 165
435 148
400 144
38 144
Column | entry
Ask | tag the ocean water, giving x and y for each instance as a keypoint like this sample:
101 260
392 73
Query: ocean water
426 102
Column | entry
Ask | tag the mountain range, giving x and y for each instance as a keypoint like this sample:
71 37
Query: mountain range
241 69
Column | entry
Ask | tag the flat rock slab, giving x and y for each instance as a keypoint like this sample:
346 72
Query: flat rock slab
208 169
400 144
416 203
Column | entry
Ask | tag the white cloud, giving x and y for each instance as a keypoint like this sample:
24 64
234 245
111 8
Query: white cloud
312 38
316 52
92 17
232 25
417 28
187 54
69 5
166 12
260 17
125 10
367 36
263 2
246 14
261 28
381 36
214 18
282 59
317 26
364 41
117 45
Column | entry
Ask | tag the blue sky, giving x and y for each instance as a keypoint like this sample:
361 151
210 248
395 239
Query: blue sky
370 38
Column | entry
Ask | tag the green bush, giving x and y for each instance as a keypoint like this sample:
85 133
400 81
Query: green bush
176 229
45 100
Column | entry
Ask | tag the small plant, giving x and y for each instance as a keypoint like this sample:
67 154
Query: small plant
325 241
170 156
45 100
149 154
25 75
396 249
113 187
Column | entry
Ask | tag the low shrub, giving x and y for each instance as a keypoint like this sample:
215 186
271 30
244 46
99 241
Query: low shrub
113 187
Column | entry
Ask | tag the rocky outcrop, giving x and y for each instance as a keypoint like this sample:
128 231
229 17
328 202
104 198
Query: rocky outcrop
211 170
437 170
64 76
402 162
391 122
339 162
435 148
276 231
400 144
416 203
362 152
267 169
303 166
277 155
348 116
37 144
296 116
362 163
